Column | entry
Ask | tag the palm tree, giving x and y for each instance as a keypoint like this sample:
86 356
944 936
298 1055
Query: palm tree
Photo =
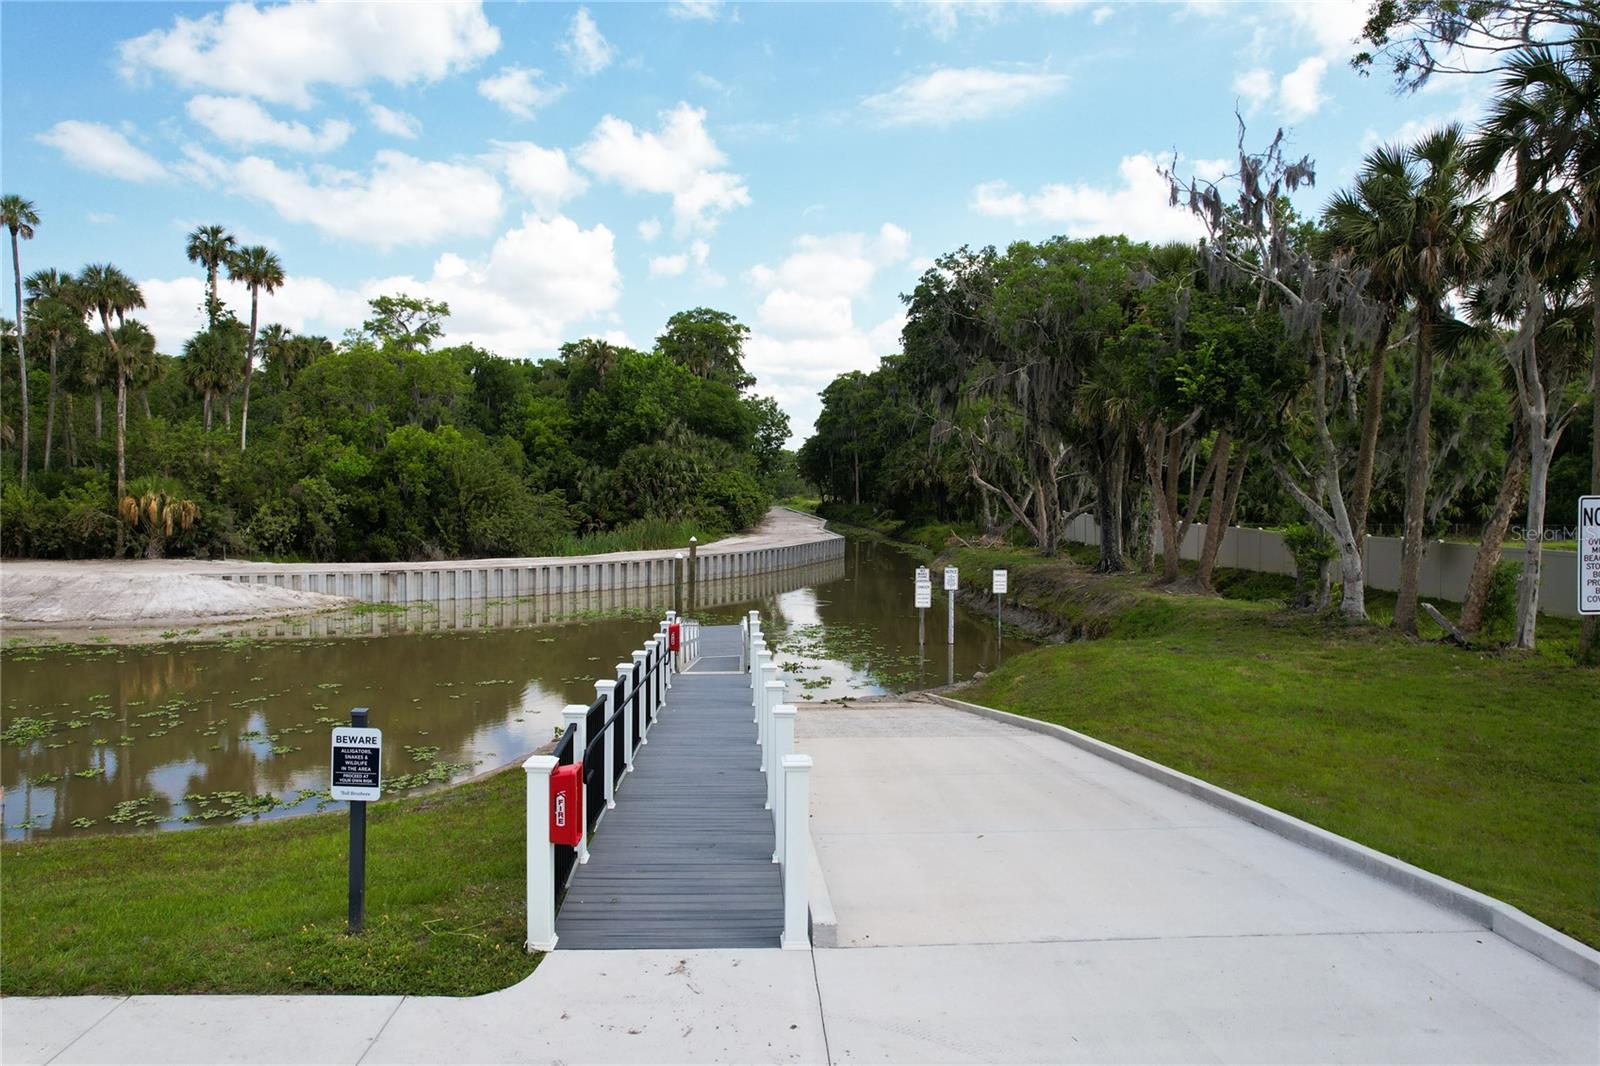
55 315
275 338
259 269
158 506
108 291
210 246
211 364
19 216
138 346
1434 246
1545 123
1366 223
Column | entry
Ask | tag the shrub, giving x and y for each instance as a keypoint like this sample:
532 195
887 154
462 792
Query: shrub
730 500
1312 550
1500 603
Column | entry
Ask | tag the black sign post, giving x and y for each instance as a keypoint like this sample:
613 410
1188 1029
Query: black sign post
357 776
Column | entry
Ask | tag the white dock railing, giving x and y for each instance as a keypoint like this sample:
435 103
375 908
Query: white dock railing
628 704
788 777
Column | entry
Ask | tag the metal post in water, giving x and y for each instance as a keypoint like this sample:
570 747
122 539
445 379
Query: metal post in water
694 572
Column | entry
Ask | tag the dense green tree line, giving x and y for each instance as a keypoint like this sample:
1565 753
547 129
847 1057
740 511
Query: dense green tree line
1422 356
377 447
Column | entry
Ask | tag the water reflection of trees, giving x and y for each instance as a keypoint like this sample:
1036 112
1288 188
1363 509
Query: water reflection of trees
407 675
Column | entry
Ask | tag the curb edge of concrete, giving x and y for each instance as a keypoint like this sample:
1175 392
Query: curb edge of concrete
824 923
1533 936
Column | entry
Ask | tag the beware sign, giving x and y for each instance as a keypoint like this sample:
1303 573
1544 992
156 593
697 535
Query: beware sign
1589 555
357 770
952 579
1000 580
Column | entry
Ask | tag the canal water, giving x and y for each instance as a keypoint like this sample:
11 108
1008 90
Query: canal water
128 738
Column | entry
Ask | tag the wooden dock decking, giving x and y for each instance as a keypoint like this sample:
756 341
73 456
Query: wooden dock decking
685 858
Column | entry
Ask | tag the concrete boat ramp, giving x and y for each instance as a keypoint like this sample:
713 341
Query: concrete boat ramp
999 896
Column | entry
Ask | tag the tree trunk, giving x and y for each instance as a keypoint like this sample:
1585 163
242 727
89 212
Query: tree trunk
1589 633
1494 533
22 361
249 372
1163 493
1208 558
1411 546
99 419
144 397
205 406
1108 515
66 434
1371 419
1539 451
50 404
1216 519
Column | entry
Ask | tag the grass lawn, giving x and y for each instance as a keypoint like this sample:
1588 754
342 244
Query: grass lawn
1483 767
261 908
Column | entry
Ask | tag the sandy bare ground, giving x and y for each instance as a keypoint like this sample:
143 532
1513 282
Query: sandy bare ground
103 592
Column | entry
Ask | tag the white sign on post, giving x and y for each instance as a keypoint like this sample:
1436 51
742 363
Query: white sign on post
923 576
952 579
357 771
1000 577
1589 554
924 595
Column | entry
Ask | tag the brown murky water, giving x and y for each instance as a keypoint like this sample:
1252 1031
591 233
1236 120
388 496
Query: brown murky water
105 738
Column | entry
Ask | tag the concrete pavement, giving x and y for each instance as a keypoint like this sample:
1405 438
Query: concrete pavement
1001 896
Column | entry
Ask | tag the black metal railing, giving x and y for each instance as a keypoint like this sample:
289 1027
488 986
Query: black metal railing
594 772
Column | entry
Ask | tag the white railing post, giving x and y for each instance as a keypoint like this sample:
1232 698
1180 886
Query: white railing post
664 657
783 718
541 855
607 692
773 751
577 716
641 660
621 689
762 660
796 861
769 678
744 644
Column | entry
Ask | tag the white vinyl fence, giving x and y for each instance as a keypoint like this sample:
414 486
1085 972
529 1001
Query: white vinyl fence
1446 565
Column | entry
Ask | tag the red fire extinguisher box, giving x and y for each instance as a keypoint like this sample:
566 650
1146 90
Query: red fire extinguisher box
674 632
566 805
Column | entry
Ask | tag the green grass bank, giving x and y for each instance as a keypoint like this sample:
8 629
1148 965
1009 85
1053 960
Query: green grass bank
261 908
1482 766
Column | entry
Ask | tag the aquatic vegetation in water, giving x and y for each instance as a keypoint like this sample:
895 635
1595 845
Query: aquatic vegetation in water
138 811
24 730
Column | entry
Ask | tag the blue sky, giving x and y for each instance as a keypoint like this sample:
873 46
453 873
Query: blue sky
557 171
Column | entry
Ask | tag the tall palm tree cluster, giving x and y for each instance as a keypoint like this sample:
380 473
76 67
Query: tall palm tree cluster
1485 238
82 322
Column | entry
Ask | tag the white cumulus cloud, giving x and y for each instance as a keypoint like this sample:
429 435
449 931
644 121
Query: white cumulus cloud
97 147
395 123
520 90
1136 207
243 123
585 46
401 200
523 299
281 52
805 333
1300 93
702 10
955 94
679 159
543 175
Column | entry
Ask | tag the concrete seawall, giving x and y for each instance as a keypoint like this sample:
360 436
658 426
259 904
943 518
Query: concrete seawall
784 540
